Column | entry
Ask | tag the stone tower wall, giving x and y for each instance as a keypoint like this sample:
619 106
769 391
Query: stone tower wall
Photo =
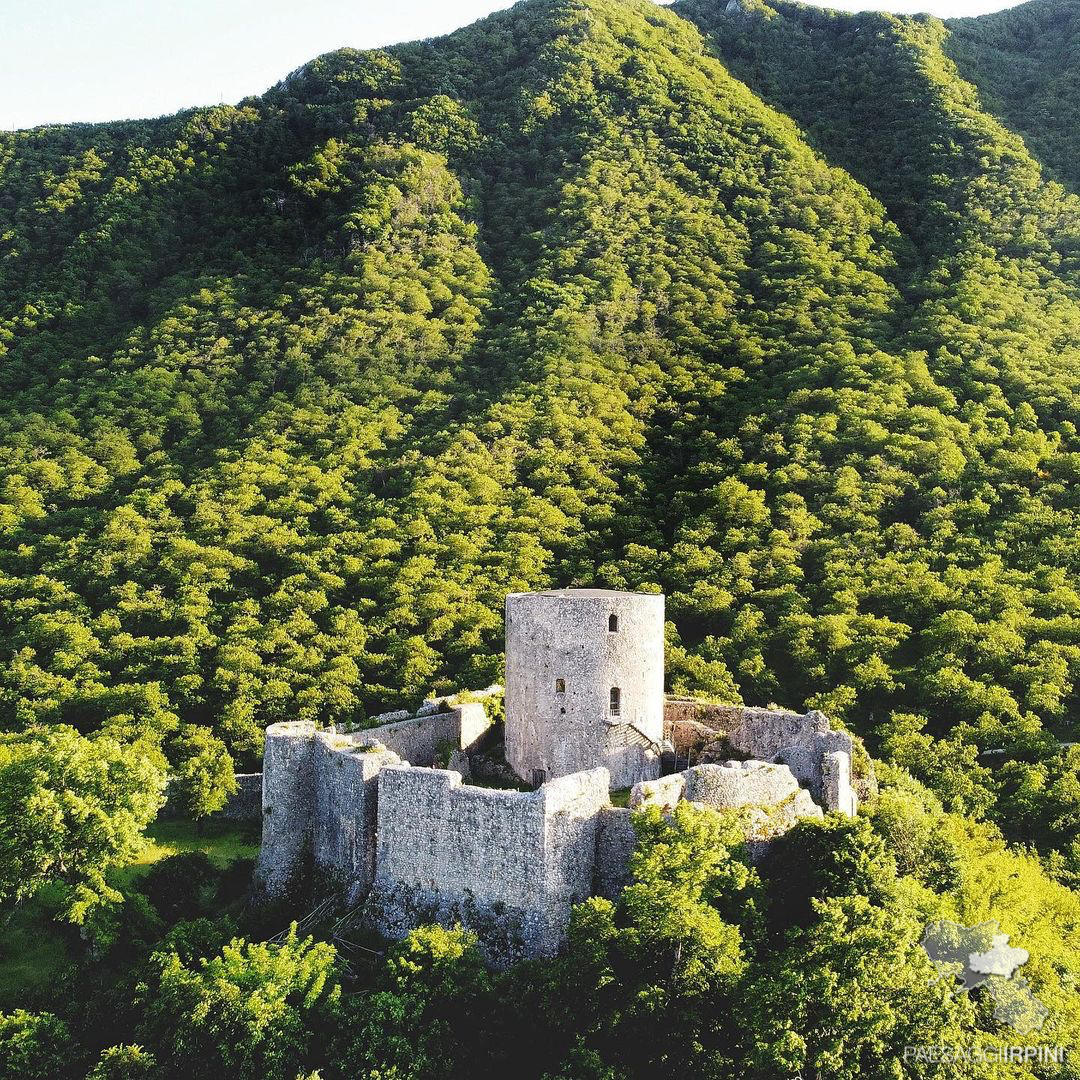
288 794
346 804
564 635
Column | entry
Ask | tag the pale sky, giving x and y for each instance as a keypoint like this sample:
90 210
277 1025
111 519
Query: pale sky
91 60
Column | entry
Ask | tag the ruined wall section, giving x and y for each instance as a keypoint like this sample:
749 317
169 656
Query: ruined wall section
345 810
798 741
802 741
566 652
572 815
246 803
735 785
839 793
422 738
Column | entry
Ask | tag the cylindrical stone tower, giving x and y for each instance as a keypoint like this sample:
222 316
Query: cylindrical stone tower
288 797
585 683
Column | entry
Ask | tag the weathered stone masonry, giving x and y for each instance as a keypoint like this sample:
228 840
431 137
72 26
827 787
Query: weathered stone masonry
818 756
367 812
346 802
320 793
585 683
288 796
510 863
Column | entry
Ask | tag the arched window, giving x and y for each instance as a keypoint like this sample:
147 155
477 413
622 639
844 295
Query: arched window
560 686
613 622
615 701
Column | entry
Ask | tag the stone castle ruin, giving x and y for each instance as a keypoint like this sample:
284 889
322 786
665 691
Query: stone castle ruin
376 814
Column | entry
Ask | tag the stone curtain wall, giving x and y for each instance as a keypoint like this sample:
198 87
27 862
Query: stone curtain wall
319 796
345 810
452 853
509 864
444 836
419 739
424 846
246 804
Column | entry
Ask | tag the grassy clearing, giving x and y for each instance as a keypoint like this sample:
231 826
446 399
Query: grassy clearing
36 948
223 841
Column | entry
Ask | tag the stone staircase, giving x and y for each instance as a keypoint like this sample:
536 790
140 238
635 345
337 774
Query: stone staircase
626 735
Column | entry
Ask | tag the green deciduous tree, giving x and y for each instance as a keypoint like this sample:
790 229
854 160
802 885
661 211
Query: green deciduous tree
123 1063
419 1024
647 981
73 808
203 776
35 1046
254 1011
846 997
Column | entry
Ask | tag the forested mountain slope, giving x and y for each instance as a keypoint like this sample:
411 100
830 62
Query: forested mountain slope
1024 60
757 306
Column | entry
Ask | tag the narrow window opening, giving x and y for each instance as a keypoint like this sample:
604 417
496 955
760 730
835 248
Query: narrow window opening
615 702
560 686
613 622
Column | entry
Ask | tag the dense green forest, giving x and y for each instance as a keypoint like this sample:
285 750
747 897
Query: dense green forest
1023 62
771 308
